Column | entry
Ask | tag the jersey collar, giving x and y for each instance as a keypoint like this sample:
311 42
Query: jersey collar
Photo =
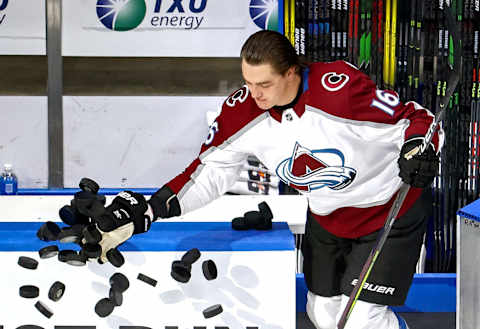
297 105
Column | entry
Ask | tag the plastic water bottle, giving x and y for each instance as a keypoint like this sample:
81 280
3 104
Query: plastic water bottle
9 183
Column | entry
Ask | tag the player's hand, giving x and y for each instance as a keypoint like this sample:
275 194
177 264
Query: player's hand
417 170
164 204
128 214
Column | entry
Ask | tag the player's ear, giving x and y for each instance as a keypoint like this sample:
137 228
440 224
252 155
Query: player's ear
290 72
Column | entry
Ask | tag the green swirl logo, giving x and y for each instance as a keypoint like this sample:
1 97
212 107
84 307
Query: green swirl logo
121 15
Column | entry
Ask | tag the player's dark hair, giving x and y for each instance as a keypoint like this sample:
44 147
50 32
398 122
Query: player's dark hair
270 47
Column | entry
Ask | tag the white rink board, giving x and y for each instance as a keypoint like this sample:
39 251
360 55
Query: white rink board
140 141
24 140
22 27
254 288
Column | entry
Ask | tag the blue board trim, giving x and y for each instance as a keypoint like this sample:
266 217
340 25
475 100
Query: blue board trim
163 236
72 191
471 211
430 292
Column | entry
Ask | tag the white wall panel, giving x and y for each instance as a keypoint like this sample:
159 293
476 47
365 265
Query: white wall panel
132 141
22 27
24 138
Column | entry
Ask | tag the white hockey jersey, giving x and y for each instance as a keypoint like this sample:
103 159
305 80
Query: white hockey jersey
338 144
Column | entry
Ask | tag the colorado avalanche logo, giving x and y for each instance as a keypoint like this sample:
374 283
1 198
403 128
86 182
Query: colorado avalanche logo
306 171
333 81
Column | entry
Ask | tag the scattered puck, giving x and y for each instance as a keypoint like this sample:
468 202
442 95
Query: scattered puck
191 256
265 210
48 231
92 234
252 218
239 224
87 184
43 309
266 218
115 257
115 296
69 235
29 291
181 271
119 282
27 262
212 311
29 326
48 252
104 307
76 259
64 254
209 269
147 279
67 215
91 250
56 291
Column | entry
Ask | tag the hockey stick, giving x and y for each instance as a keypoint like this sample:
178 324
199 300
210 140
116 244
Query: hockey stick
404 188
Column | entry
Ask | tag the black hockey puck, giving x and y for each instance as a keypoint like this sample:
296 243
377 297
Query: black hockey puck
91 234
56 291
181 271
209 269
115 257
239 224
266 217
28 326
191 256
115 296
27 262
76 259
29 291
265 210
48 231
104 307
64 254
67 215
43 309
87 204
119 282
87 184
252 218
48 252
212 311
147 279
91 250
69 235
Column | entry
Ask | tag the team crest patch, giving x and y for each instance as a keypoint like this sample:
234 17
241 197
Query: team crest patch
309 170
333 81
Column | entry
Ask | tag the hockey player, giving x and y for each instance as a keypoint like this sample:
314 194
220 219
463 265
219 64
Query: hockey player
328 132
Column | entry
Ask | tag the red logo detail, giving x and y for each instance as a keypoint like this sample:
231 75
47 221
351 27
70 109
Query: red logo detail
333 81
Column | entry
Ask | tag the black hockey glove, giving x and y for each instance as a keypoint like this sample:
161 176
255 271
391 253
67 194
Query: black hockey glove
164 204
417 170
127 215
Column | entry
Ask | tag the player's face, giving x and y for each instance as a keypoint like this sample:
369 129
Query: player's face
267 87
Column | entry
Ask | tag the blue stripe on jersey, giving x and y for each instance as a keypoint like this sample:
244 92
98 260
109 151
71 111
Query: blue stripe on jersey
306 71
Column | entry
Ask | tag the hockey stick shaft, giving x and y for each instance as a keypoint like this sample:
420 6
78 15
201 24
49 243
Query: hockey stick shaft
404 188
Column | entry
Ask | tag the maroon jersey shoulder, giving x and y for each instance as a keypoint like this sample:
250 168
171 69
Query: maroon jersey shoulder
342 90
339 89
238 110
